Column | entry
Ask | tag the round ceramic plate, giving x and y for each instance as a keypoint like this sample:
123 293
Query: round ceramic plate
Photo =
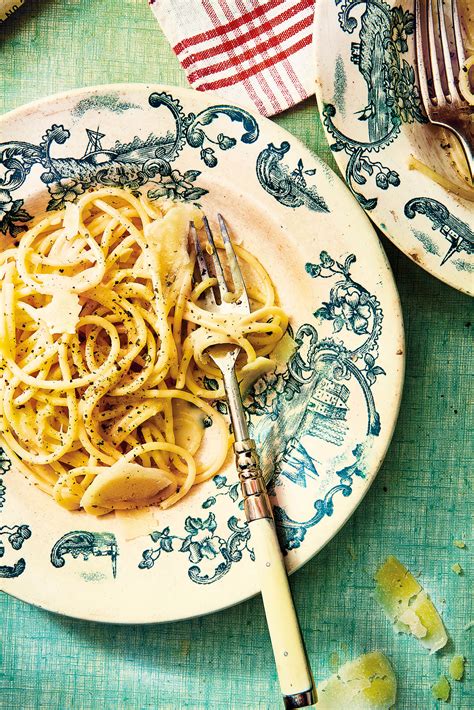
8 7
323 420
367 92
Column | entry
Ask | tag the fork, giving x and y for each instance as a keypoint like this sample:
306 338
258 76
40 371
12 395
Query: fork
293 669
438 71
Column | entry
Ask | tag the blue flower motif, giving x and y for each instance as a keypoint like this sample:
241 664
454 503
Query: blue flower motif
201 541
402 24
372 370
66 190
5 463
11 212
18 537
225 142
148 559
353 310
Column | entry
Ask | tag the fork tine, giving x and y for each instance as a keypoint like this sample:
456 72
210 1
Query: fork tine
214 257
448 67
237 278
202 265
421 51
461 56
435 75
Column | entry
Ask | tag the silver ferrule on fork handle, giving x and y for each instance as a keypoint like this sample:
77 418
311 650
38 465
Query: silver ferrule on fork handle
254 491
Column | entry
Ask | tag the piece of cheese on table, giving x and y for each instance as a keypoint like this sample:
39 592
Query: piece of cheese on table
456 667
408 606
441 689
367 683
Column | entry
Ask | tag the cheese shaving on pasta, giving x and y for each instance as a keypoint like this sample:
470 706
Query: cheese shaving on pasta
104 383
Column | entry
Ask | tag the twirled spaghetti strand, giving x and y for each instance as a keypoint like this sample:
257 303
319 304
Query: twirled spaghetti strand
103 345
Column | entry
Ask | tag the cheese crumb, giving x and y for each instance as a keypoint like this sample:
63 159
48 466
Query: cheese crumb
408 606
61 315
457 568
441 689
460 543
456 667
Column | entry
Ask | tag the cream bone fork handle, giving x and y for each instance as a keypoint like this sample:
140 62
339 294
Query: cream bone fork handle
294 673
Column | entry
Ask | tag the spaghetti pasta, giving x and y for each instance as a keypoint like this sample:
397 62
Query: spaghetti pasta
103 340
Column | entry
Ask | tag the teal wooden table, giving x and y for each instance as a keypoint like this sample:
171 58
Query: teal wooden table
419 504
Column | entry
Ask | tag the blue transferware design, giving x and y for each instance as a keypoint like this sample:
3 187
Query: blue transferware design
224 489
291 532
458 233
15 534
211 556
392 94
85 543
5 466
287 186
111 102
131 165
310 397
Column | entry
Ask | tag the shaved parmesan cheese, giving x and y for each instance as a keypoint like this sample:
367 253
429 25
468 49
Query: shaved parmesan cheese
126 485
441 689
408 606
61 315
284 349
410 619
456 667
252 371
367 683
168 238
189 425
